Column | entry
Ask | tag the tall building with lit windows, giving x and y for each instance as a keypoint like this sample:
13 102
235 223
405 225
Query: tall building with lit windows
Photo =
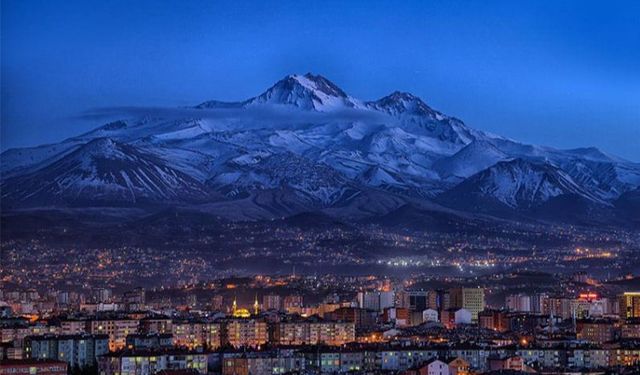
245 332
314 332
471 299
188 334
630 305
271 302
117 329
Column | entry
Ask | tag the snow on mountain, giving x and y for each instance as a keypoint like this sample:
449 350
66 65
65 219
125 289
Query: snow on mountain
306 92
416 116
17 161
317 182
605 175
516 183
104 172
193 163
607 179
376 176
305 142
473 158
400 103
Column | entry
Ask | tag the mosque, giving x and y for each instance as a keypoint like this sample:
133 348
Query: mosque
242 312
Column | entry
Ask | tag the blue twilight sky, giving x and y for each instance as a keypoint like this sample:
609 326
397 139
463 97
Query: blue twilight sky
561 73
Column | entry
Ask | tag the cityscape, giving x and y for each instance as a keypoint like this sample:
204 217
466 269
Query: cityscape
185 191
523 321
470 303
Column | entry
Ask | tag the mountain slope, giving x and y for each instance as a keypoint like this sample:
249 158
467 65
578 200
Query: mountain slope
470 160
516 183
318 183
104 172
628 205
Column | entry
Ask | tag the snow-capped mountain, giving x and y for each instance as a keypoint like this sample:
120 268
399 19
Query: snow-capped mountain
515 183
104 172
304 143
401 103
415 115
307 92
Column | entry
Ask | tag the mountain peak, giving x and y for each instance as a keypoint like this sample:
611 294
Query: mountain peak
308 92
402 95
399 102
318 82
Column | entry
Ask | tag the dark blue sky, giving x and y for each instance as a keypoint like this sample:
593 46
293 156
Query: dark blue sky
561 73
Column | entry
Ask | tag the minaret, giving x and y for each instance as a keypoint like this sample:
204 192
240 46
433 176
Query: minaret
256 306
234 307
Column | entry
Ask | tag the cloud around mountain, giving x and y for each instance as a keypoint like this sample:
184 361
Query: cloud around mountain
266 114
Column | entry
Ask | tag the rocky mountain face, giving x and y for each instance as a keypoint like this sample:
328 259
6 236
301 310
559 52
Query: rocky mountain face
306 145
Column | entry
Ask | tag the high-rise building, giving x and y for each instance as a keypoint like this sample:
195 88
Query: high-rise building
537 302
375 300
369 300
558 307
271 302
630 329
314 333
76 350
245 332
188 334
195 334
387 299
630 305
433 300
493 319
103 295
417 300
293 303
117 329
212 335
438 299
471 299
156 325
518 302
363 319
595 331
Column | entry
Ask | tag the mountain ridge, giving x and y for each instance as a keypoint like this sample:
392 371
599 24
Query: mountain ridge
325 149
